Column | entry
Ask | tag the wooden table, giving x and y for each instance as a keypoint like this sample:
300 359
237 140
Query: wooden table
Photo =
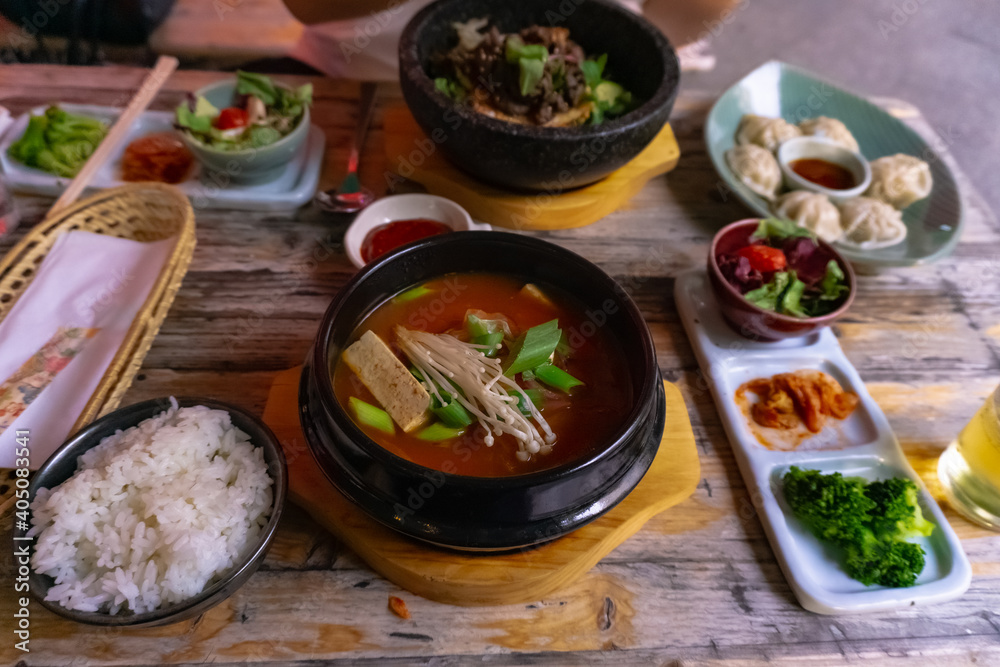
698 585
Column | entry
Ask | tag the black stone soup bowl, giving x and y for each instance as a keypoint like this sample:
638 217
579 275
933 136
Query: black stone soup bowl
535 158
481 513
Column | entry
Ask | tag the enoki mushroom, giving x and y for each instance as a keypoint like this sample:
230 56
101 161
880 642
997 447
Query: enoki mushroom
483 389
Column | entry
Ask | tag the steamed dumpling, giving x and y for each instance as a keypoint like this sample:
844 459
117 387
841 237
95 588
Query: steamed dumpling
899 180
756 168
830 128
765 132
870 223
813 211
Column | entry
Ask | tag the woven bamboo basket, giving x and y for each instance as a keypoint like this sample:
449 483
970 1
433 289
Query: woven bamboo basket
143 212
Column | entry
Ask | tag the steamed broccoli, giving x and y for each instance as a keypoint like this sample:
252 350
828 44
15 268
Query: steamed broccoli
888 563
897 514
869 522
833 507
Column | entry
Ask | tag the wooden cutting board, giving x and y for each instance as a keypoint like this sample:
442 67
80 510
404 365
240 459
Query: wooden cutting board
470 579
411 154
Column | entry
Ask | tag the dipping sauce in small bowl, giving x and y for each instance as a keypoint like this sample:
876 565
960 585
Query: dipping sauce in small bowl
819 165
390 236
823 172
395 221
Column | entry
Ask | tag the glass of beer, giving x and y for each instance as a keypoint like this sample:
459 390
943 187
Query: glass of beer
969 469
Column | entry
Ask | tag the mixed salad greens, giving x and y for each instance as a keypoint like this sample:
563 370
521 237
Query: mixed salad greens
58 142
261 114
869 522
537 76
785 270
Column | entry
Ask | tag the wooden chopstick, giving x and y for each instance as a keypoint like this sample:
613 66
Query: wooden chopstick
165 65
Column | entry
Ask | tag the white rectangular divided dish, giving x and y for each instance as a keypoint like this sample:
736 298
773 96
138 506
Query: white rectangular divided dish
863 445
295 187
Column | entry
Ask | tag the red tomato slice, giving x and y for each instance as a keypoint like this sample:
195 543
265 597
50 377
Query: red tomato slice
764 258
231 117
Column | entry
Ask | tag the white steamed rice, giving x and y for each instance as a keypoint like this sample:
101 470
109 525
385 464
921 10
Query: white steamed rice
153 513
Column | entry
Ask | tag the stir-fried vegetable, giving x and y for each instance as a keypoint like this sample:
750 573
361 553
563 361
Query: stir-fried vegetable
531 59
58 142
538 76
608 97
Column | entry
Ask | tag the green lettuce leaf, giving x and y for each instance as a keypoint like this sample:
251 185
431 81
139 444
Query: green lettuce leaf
790 301
199 120
833 283
291 103
258 85
766 296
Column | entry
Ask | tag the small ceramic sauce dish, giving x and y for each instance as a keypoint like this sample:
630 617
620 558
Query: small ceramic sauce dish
820 165
419 209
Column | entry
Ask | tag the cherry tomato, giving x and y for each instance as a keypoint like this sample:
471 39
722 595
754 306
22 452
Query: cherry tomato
764 258
231 117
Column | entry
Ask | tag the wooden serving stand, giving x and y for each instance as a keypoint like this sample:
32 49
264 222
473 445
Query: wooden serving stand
412 155
471 579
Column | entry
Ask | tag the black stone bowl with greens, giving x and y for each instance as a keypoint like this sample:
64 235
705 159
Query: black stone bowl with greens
775 280
626 50
469 512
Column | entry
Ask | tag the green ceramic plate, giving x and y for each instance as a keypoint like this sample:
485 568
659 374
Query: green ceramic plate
777 89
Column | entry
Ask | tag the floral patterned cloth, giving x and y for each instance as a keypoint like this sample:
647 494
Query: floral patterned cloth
19 390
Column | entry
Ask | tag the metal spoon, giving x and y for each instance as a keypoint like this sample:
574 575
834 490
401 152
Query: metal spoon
350 197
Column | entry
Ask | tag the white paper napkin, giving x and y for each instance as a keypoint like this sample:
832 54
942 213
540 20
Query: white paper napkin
86 280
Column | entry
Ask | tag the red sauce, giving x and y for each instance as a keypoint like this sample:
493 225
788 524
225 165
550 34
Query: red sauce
822 172
159 157
390 236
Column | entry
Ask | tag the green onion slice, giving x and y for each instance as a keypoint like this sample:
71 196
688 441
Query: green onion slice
437 432
535 396
534 347
453 414
412 294
556 377
369 415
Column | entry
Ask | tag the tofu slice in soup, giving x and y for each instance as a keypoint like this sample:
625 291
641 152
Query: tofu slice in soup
392 385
